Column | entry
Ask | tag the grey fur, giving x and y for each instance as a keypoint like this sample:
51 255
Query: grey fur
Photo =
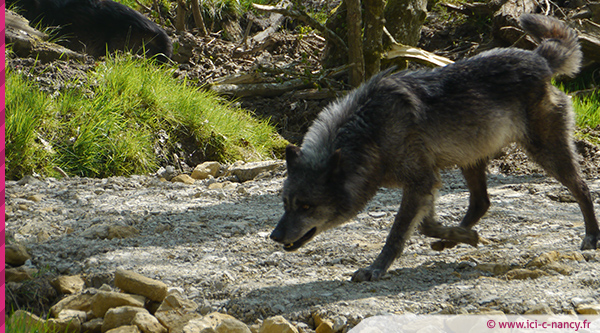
398 130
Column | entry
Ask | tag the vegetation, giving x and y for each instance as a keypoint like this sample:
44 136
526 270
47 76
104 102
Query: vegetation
585 97
116 121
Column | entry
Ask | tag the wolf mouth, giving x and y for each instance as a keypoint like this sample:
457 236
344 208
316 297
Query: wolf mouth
297 244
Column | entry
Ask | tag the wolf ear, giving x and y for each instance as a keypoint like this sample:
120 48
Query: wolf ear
292 153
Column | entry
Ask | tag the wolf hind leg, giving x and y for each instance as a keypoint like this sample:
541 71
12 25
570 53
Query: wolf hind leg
479 203
550 145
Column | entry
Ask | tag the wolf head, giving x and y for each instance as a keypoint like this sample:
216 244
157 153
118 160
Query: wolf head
313 199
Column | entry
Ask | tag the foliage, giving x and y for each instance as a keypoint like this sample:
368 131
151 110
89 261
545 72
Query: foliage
117 120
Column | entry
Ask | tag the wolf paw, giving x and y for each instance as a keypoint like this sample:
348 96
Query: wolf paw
590 242
442 245
367 274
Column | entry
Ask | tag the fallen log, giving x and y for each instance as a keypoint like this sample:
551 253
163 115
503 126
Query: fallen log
260 89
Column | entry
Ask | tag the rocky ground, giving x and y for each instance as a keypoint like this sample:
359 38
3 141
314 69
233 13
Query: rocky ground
209 240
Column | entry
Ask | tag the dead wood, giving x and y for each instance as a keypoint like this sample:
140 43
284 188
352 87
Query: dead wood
508 16
482 9
415 54
304 17
276 20
260 89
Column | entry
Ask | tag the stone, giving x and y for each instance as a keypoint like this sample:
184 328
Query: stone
105 300
147 323
19 274
277 324
16 254
326 326
215 186
125 329
232 325
68 284
496 269
96 231
135 283
197 326
72 314
206 169
339 323
249 171
120 316
589 309
92 326
216 322
575 256
544 259
121 231
31 322
559 268
175 312
539 309
167 173
35 197
523 273
183 178
81 302
21 318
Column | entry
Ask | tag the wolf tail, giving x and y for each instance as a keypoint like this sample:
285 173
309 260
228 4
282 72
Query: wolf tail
558 43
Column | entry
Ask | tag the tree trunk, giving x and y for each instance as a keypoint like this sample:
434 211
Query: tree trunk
180 18
332 55
355 45
404 19
198 19
373 47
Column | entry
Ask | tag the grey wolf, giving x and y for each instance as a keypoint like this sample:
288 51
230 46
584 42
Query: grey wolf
98 26
399 130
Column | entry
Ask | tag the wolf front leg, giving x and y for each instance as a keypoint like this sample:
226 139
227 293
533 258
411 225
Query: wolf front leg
416 204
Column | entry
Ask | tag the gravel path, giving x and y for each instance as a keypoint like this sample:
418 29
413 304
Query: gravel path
213 245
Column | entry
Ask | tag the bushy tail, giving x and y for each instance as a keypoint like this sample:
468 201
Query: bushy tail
558 43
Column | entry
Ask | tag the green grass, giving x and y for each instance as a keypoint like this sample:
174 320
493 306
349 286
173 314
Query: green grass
585 97
19 322
112 124
587 109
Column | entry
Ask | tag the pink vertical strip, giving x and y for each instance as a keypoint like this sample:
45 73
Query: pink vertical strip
2 171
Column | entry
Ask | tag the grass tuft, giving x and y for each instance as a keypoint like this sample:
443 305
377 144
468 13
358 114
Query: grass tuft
121 119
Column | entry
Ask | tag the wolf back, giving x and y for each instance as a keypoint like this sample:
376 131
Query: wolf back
398 130
98 26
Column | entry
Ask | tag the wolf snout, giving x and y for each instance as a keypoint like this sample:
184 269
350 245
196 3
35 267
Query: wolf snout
277 235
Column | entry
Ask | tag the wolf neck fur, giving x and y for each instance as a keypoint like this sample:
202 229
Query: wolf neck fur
323 137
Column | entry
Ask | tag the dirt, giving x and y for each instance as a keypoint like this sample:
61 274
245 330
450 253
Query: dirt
213 244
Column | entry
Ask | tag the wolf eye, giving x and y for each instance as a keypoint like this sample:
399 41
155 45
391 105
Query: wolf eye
306 207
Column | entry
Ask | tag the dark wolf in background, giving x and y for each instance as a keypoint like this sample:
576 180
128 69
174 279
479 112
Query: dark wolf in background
400 129
98 26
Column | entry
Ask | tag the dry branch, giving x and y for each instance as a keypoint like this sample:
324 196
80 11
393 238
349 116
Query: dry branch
304 17
416 54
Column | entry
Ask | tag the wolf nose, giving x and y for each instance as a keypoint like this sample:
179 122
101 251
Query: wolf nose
277 235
